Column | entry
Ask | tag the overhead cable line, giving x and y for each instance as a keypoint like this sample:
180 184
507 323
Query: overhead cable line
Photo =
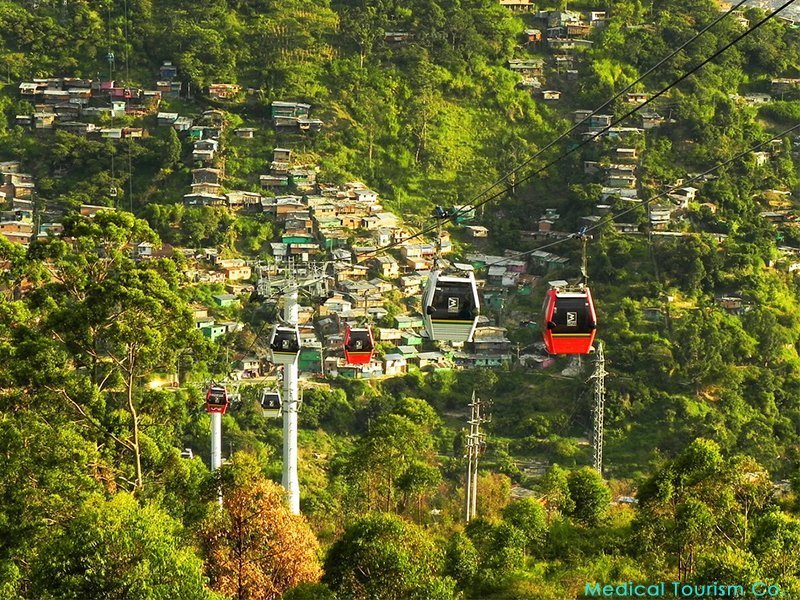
634 110
595 134
667 192
616 96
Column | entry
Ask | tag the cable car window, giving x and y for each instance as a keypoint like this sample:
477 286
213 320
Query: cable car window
271 401
217 397
453 302
285 341
571 315
359 340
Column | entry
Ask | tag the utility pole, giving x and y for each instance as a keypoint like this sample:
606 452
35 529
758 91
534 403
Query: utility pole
599 376
468 481
290 395
476 442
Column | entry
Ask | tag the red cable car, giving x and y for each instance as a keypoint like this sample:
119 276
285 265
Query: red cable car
217 399
569 322
358 345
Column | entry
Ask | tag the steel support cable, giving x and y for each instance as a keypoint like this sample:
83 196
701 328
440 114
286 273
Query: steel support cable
611 218
616 96
598 133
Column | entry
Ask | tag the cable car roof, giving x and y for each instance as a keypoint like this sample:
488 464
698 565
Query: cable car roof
582 294
467 279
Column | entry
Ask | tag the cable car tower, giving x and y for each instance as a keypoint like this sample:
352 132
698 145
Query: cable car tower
288 282
598 410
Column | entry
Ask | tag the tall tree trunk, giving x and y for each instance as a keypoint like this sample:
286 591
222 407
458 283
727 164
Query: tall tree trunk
421 138
371 144
134 416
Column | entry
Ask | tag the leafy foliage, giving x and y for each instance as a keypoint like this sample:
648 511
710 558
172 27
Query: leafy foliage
254 547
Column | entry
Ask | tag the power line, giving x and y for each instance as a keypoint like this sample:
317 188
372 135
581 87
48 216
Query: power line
616 96
595 134
634 110
611 218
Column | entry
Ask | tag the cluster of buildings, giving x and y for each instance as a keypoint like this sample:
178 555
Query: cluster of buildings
18 222
73 104
294 115
562 31
62 102
346 224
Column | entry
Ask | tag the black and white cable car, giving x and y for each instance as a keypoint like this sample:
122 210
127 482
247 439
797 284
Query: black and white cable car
451 306
284 345
270 403
217 399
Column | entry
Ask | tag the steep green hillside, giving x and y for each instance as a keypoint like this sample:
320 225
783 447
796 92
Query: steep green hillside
700 323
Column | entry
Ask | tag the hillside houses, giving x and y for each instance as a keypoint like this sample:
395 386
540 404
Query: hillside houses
489 348
660 215
683 196
65 99
205 150
294 115
17 216
518 5
530 71
785 87
349 223
223 91
310 219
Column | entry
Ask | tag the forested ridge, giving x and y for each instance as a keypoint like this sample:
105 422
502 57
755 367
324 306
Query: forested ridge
699 320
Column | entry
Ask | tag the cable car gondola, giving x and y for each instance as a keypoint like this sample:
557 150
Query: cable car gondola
217 399
359 345
284 344
451 307
271 403
569 322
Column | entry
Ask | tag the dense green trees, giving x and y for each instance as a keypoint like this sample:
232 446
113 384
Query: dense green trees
91 456
589 494
382 556
701 504
117 549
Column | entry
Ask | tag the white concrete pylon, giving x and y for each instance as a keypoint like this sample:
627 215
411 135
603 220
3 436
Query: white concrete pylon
291 394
